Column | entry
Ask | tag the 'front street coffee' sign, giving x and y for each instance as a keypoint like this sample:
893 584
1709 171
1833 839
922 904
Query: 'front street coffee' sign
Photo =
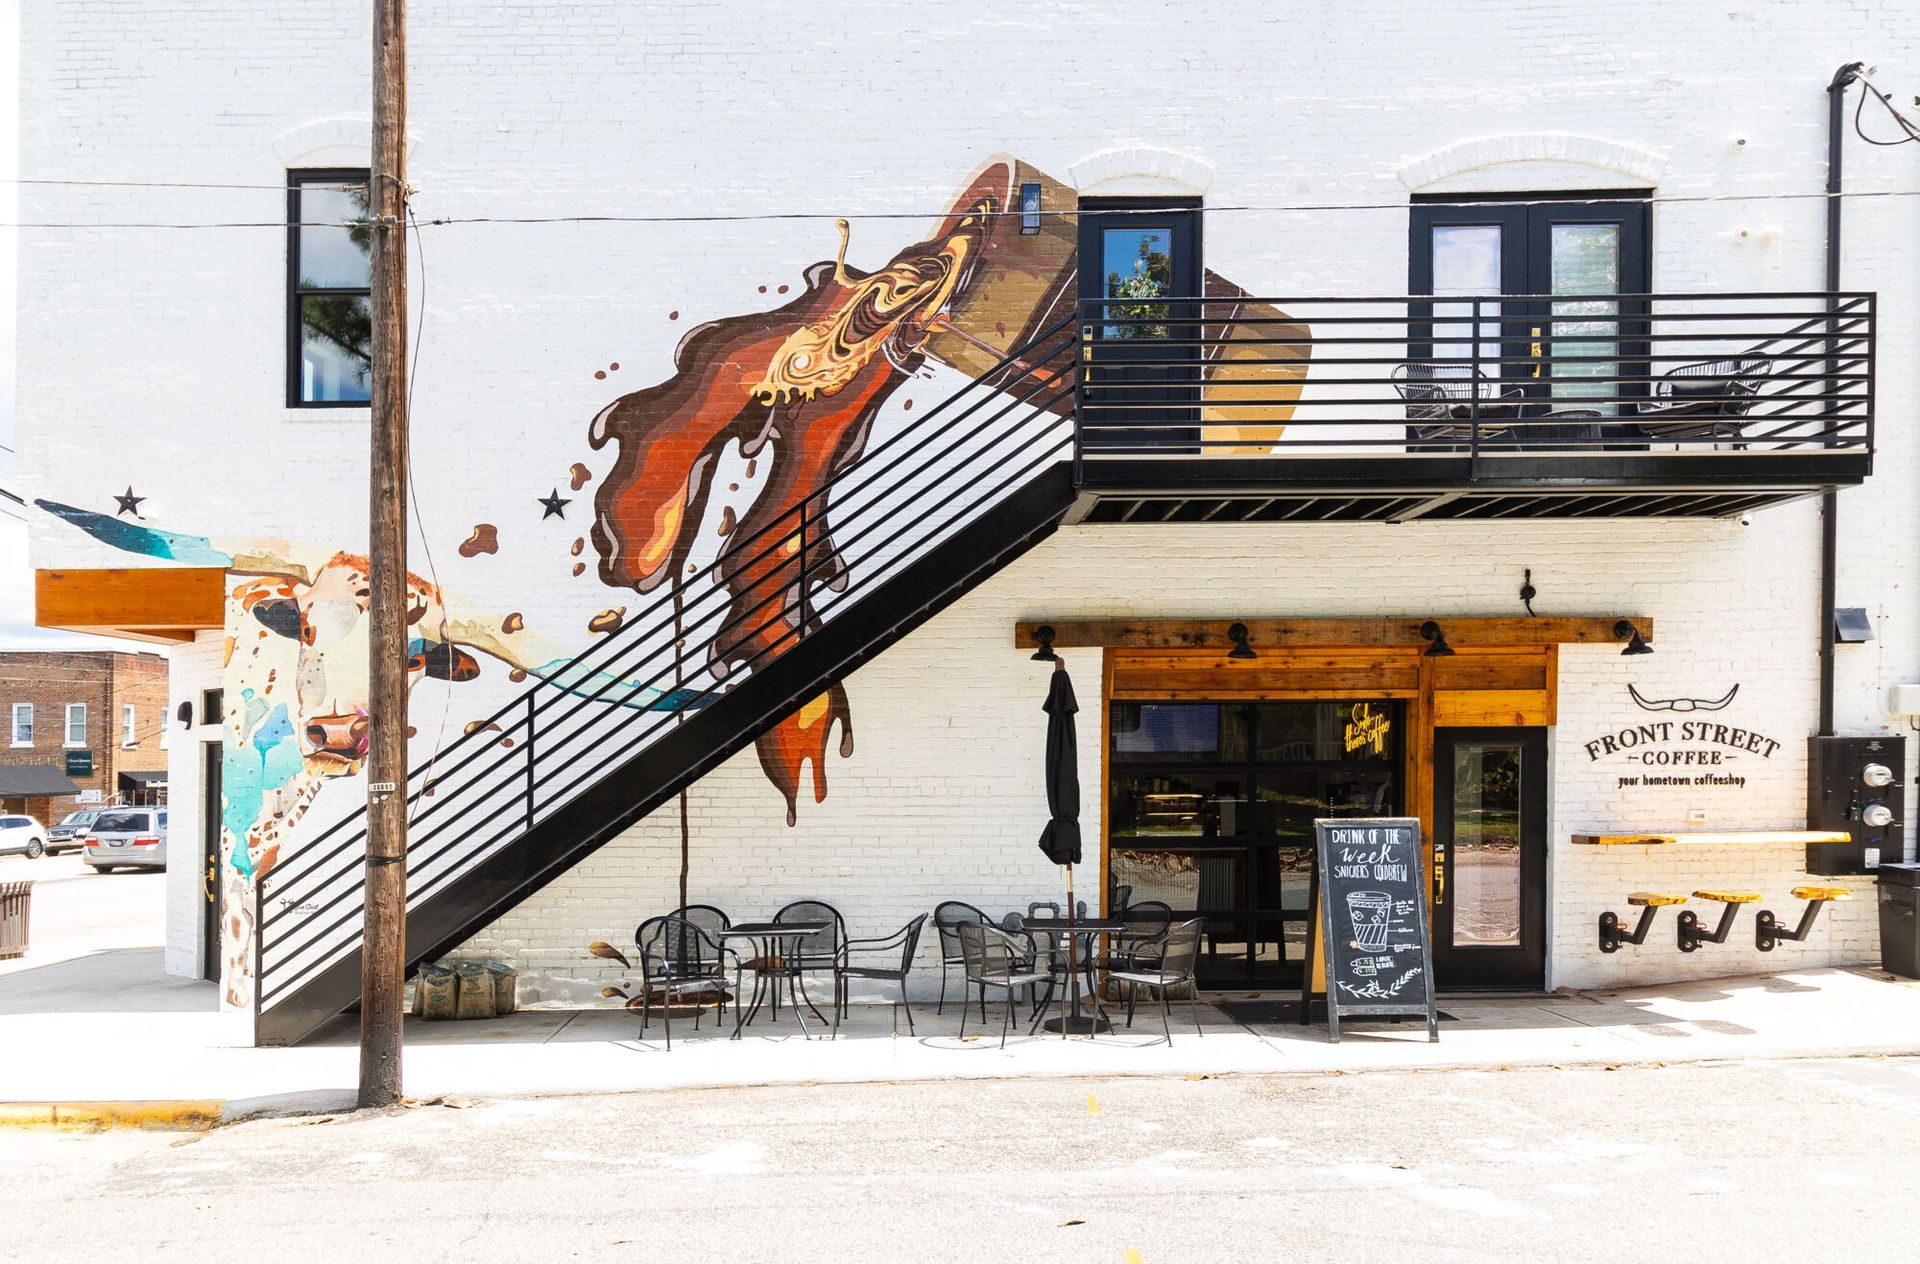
1682 752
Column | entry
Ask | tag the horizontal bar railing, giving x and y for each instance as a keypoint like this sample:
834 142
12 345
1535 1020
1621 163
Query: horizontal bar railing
904 495
1607 374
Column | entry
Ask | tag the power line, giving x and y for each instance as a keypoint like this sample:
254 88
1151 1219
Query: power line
779 216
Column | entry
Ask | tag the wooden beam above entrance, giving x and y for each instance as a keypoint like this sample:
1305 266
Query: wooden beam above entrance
1211 634
164 604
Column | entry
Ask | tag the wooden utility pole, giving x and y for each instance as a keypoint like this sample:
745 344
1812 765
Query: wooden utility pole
383 957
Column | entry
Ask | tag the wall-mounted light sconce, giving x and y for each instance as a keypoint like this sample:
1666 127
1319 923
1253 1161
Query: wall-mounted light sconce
1044 635
1625 631
1029 208
1528 592
1241 648
1437 646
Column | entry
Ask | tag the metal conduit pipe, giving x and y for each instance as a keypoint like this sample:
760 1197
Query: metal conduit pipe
1830 499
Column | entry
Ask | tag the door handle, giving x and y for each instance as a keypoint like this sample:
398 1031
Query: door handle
206 884
1534 351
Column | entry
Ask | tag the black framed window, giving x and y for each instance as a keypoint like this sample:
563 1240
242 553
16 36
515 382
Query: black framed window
329 289
1211 808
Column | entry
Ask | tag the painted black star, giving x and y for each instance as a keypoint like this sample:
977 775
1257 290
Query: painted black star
556 507
129 503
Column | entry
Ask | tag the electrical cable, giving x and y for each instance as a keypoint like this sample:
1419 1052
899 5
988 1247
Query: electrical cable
781 216
418 335
1886 103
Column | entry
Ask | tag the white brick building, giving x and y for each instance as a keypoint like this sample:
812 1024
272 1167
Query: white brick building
592 181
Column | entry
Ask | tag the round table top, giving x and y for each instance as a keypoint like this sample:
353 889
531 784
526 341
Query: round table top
770 930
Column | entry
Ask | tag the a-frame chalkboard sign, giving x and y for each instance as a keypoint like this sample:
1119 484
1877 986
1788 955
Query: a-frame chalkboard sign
1370 888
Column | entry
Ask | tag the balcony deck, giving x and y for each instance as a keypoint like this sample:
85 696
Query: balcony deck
1236 409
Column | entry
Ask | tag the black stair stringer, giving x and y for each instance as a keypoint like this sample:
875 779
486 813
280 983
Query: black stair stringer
857 631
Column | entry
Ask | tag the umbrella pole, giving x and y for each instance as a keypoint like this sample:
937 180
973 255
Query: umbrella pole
1073 964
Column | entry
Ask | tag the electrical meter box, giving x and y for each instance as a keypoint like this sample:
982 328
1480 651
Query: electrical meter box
1856 784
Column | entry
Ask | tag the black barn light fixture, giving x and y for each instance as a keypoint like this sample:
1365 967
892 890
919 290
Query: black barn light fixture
1623 630
1437 640
1241 648
1044 634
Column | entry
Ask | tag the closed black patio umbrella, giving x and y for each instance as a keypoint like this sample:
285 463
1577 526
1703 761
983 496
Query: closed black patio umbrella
1060 840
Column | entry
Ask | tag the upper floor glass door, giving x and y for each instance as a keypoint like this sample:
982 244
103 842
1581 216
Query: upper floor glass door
1559 352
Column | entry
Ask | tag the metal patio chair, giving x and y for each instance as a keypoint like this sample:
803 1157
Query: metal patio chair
992 958
948 917
1178 950
1135 948
826 951
1706 399
709 919
680 960
891 958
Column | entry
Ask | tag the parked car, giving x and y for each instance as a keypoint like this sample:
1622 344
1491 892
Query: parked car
22 835
131 837
66 833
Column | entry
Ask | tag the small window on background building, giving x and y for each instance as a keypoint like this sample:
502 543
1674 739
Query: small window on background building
329 294
23 724
76 724
127 737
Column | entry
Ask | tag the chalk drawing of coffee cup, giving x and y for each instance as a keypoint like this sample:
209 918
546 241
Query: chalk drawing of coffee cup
1372 914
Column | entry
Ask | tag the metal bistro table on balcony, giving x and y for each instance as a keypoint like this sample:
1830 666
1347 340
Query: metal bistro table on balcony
1073 932
771 965
1466 406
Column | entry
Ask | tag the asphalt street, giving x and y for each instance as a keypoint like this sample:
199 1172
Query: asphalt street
1778 1160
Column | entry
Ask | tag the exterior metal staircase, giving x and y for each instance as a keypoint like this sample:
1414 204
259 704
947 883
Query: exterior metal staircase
918 520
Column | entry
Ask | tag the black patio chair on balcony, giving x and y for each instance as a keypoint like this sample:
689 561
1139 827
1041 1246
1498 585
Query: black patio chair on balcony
1440 401
992 958
1177 952
678 961
1708 399
890 958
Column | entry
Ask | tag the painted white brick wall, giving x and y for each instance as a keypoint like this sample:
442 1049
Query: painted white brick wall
192 669
156 356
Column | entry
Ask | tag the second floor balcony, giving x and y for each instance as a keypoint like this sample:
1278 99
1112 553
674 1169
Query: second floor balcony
1227 407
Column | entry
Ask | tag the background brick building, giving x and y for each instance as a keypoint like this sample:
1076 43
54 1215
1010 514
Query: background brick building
97 716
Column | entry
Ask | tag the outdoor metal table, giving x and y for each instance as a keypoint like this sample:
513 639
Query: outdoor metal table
773 964
1072 930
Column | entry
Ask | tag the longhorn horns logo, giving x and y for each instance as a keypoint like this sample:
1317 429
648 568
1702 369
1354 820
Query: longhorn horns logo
1682 704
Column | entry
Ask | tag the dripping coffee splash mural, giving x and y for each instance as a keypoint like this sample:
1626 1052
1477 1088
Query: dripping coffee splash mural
793 394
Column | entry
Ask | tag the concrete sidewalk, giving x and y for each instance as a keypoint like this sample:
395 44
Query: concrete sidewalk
89 1024
126 1054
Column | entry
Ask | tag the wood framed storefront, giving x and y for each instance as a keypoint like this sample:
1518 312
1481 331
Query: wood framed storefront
1502 675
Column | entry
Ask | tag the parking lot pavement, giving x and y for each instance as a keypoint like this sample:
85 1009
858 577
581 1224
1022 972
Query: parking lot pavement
96 945
1772 1160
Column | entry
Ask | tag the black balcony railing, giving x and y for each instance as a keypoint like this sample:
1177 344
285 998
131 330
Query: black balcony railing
1485 375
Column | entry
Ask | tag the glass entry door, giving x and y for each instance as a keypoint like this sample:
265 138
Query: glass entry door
1490 858
1211 808
1142 354
1575 257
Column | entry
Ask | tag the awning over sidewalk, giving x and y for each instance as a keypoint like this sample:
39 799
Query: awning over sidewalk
35 779
143 778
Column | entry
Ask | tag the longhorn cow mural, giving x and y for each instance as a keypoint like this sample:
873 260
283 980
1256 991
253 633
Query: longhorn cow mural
793 391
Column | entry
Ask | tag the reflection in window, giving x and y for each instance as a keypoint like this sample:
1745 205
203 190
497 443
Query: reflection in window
1178 732
1138 263
1466 260
1486 846
1586 261
330 243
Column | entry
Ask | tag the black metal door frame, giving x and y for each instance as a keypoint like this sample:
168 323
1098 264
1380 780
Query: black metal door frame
1482 968
211 754
1163 371
1526 221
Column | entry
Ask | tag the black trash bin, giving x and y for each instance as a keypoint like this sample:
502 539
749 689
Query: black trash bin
1899 923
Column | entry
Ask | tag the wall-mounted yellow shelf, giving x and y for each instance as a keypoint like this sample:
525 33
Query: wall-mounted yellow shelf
1792 838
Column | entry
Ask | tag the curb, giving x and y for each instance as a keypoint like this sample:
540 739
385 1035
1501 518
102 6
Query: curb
159 1116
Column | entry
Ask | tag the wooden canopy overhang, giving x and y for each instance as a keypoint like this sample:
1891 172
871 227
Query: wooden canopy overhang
163 604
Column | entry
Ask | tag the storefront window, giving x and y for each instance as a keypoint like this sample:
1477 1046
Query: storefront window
1212 806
